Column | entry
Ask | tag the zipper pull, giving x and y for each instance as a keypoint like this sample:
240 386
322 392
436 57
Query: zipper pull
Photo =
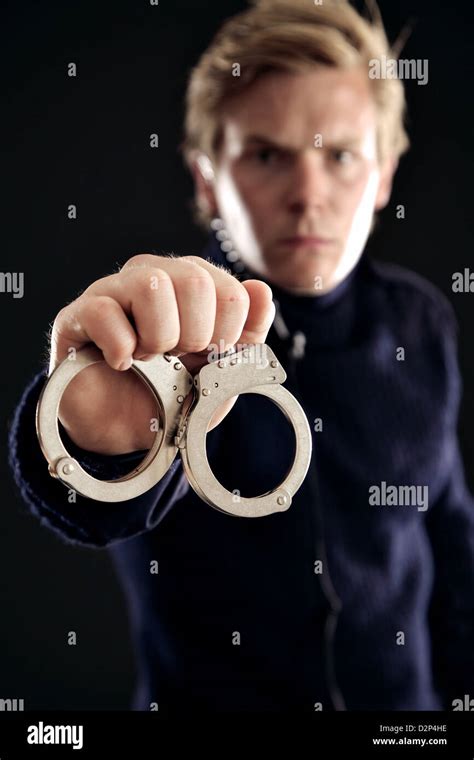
297 350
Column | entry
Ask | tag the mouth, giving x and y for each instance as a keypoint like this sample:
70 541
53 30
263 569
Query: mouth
302 241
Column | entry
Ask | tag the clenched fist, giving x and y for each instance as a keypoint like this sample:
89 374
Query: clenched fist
154 305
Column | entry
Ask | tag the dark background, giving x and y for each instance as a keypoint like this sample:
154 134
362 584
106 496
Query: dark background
85 140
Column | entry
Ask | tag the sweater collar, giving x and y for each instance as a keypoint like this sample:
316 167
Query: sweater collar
322 318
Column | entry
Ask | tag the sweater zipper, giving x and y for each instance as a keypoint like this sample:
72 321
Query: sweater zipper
296 354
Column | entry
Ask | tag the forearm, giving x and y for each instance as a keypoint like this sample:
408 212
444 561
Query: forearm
75 518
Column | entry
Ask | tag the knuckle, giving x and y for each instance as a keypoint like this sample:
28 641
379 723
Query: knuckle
197 280
197 285
100 283
192 260
234 292
65 321
193 264
167 344
99 307
138 260
148 281
192 345
158 345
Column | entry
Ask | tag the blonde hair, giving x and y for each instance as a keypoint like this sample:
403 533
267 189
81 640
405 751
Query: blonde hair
289 36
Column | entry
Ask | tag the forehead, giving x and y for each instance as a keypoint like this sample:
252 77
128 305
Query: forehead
323 100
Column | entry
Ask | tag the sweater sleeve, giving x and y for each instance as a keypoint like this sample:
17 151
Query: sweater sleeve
80 520
450 526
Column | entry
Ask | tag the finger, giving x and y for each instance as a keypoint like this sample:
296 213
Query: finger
259 320
232 308
261 312
147 295
195 293
98 319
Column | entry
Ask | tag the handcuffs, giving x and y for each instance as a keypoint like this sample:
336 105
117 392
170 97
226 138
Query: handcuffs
253 369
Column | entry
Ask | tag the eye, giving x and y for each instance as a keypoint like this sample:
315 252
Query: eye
266 155
342 157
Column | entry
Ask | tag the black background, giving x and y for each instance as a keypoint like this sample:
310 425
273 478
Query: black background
85 141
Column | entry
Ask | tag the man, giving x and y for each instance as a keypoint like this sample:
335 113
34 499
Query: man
357 597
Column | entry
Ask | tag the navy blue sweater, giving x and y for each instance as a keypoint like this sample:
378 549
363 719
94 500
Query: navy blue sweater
242 614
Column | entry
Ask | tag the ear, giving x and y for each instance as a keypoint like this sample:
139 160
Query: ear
203 175
387 174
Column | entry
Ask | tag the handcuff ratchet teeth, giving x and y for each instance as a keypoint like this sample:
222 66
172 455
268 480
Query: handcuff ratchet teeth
252 369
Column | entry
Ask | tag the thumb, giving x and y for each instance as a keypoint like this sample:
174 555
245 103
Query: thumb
261 312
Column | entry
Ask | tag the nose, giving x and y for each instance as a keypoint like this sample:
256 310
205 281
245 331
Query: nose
308 183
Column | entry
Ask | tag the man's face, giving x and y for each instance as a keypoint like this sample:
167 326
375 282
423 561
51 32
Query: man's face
297 180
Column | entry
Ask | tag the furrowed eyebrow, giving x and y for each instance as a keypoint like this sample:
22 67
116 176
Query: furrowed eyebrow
266 141
348 142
